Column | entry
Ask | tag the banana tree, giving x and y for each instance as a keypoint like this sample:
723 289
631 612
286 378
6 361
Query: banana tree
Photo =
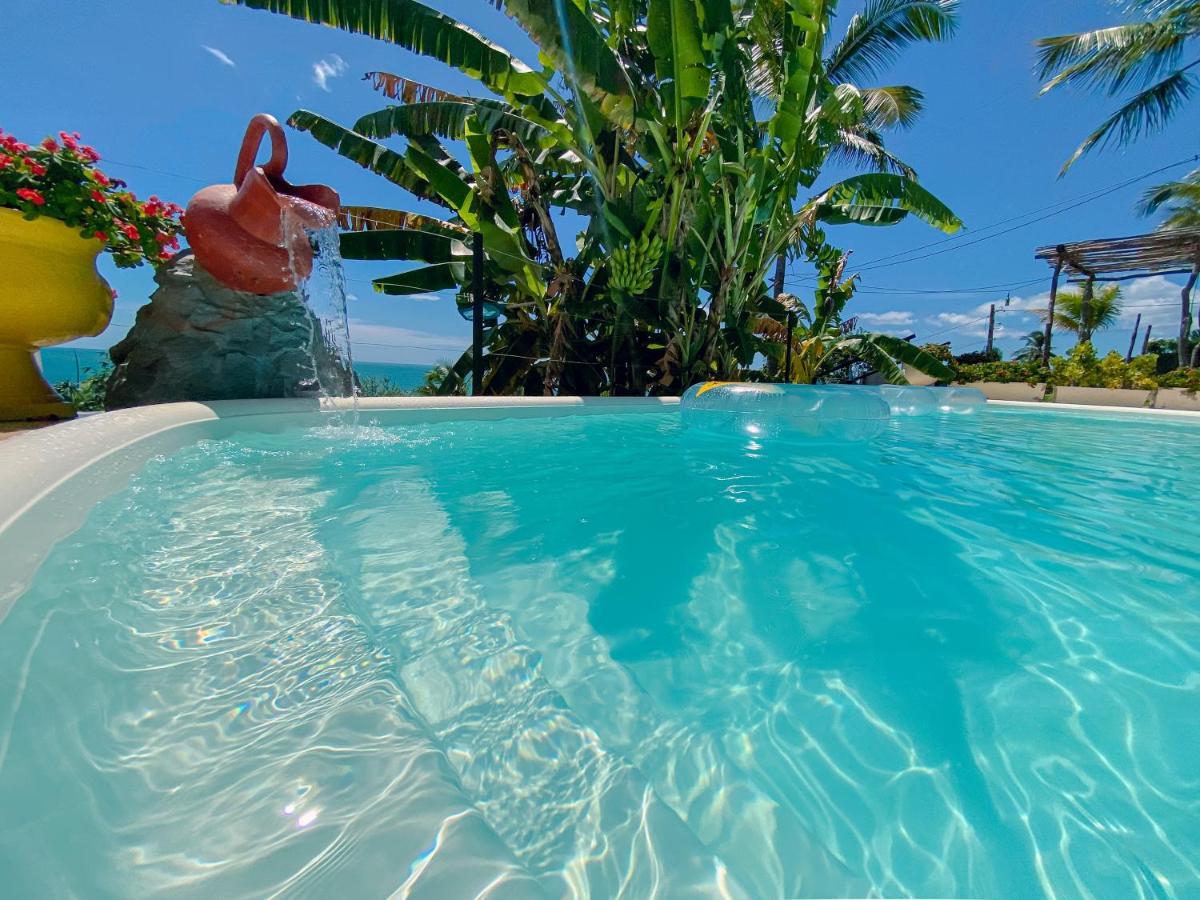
684 141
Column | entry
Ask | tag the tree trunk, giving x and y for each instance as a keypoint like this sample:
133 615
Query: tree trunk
1050 312
1085 312
1185 317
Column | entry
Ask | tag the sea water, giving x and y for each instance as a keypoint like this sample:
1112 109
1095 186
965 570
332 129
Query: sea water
606 656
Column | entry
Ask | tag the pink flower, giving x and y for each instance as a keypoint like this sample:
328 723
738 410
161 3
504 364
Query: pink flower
50 144
68 141
89 153
32 196
113 291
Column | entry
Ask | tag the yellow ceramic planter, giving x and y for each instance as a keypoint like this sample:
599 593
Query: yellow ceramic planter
50 292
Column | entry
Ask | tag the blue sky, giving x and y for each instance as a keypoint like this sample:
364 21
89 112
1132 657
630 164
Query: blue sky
164 91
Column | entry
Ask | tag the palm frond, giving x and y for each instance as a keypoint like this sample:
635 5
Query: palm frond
1112 59
861 148
422 30
875 37
1145 113
893 106
374 218
396 87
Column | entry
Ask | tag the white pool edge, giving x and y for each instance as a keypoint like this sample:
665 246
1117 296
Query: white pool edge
50 478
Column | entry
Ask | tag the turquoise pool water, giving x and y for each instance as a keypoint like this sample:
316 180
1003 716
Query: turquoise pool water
604 656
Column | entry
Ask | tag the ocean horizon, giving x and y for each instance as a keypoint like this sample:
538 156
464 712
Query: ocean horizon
73 364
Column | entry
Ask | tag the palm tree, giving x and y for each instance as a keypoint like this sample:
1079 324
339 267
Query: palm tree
1031 348
1103 310
1150 56
1181 200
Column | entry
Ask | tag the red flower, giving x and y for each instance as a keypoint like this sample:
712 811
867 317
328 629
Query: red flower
32 196
131 232
69 142
5 162
89 153
36 168
100 235
50 144
164 255
100 178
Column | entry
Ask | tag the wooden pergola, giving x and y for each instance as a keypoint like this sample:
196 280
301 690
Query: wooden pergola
1122 259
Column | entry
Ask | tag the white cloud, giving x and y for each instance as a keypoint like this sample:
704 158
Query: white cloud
891 317
324 69
424 298
372 342
219 55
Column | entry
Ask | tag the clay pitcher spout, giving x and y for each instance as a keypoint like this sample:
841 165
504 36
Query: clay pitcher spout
251 235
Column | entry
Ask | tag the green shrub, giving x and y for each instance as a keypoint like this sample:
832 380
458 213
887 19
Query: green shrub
88 395
1010 371
1188 379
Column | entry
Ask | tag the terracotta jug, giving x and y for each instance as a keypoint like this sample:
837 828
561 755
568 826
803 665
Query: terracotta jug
250 235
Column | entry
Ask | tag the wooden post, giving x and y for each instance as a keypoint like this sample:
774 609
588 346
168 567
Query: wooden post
1050 311
477 316
991 328
1085 310
1133 337
1146 340
787 357
1185 317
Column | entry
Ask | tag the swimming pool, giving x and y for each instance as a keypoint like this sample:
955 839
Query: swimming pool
603 655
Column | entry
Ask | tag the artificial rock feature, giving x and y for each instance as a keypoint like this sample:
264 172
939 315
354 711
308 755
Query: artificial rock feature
199 340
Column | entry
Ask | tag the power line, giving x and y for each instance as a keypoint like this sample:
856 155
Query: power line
1067 205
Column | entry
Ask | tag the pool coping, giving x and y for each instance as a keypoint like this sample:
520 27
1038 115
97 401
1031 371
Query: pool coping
51 477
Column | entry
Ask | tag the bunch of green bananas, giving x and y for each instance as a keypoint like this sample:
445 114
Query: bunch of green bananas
632 267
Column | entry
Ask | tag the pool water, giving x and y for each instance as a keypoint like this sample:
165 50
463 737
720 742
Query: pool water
605 656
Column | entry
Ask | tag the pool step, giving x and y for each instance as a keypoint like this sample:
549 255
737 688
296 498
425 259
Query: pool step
768 847
219 726
579 817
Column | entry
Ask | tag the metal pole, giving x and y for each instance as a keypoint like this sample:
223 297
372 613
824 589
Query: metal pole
991 328
1133 337
1050 311
1146 341
477 316
787 358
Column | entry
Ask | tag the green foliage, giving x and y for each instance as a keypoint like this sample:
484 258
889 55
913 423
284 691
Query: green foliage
980 356
1188 379
649 123
1144 56
1081 367
88 394
939 352
1007 372
376 386
431 386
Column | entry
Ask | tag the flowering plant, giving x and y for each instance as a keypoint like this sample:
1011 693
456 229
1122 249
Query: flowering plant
59 179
